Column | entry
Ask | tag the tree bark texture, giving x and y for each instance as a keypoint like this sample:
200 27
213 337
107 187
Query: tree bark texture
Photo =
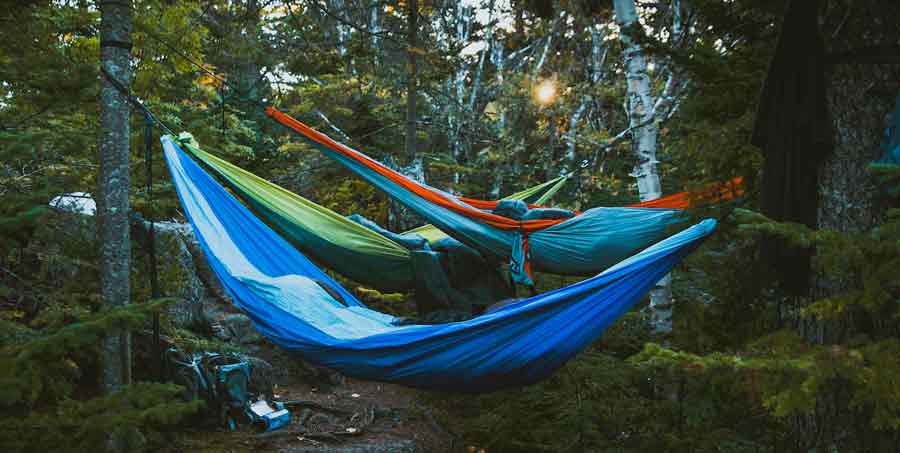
114 184
399 217
412 24
644 134
848 198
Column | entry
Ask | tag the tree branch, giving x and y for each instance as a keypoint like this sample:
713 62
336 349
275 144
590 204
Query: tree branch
365 30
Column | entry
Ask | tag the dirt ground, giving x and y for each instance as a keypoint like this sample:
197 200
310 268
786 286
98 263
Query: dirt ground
331 413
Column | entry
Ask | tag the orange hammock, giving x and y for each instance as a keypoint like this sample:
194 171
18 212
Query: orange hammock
474 210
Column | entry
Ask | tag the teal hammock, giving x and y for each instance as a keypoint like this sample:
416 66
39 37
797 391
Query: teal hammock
581 245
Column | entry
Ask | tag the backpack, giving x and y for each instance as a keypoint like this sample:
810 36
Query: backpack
221 380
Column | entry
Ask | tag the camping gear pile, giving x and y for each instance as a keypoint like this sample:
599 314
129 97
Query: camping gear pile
223 382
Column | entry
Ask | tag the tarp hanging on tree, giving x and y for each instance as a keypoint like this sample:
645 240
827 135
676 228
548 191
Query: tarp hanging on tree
793 129
285 296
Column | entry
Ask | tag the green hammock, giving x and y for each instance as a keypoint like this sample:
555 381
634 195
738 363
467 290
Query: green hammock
338 243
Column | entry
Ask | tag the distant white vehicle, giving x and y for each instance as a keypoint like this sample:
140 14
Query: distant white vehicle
77 202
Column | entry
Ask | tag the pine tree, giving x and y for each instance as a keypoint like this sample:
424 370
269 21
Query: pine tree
44 406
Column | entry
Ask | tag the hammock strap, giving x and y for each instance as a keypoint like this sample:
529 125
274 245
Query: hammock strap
151 238
520 261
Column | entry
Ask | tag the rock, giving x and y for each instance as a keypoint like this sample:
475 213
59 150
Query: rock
304 416
177 274
201 266
184 274
319 420
264 377
240 330
182 270
76 203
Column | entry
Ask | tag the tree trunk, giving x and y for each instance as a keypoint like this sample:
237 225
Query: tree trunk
536 72
847 195
399 217
412 20
568 164
375 29
114 182
858 98
246 69
598 53
488 45
457 114
498 48
644 135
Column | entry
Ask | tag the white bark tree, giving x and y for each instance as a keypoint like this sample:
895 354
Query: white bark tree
375 29
571 136
456 114
412 28
643 122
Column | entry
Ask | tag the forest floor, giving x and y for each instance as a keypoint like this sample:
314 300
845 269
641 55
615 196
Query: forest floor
331 413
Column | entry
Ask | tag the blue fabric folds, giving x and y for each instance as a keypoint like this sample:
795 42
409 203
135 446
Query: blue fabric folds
517 344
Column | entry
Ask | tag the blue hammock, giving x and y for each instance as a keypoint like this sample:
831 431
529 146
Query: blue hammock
520 343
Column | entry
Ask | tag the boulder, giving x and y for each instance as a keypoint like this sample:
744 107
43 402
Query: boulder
237 328
184 274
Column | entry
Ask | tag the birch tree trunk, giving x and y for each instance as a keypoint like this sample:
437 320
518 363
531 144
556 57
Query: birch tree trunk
399 217
488 41
343 30
498 59
497 56
114 182
412 20
344 33
644 133
568 163
598 53
456 114
375 29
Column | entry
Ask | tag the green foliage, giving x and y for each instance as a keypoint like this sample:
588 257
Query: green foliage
138 414
395 303
43 404
352 196
863 264
847 388
888 176
189 341
603 401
